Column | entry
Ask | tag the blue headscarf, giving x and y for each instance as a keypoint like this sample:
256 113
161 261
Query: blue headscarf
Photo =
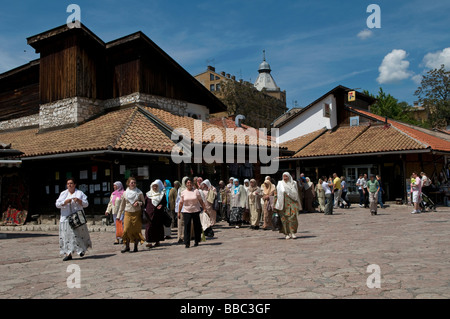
168 188
234 187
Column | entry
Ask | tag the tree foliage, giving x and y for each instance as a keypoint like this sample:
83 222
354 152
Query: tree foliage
388 106
434 94
243 98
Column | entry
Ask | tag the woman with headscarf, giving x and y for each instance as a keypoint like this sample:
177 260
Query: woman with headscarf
168 186
131 206
254 204
246 213
209 194
268 192
155 201
238 201
320 193
173 194
287 204
309 196
180 221
113 208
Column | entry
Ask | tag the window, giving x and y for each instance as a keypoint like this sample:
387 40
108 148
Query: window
217 87
354 121
326 110
211 77
212 88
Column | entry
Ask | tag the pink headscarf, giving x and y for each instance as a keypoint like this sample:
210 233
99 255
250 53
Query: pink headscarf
117 193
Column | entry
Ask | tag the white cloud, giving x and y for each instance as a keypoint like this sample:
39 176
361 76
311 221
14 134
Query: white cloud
436 59
364 34
394 67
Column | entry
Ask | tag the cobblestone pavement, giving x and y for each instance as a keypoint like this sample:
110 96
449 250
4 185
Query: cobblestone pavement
329 259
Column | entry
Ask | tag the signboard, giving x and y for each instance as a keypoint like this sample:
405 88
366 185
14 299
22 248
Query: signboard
351 96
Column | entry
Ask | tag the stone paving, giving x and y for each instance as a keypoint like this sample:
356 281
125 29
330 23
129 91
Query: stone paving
329 259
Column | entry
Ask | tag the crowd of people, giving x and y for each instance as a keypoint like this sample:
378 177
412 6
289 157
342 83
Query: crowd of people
195 206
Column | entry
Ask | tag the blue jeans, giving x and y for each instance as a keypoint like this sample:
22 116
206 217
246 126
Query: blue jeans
361 197
380 198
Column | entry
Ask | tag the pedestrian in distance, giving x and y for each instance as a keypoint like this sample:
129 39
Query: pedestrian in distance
113 209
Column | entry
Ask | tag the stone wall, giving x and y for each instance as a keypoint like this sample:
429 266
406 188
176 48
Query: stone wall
78 109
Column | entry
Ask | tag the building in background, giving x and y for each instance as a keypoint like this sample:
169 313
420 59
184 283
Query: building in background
261 103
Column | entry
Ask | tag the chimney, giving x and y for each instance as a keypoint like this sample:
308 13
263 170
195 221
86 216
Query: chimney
211 68
228 75
222 73
233 78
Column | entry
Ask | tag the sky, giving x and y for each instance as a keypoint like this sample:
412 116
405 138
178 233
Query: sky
311 46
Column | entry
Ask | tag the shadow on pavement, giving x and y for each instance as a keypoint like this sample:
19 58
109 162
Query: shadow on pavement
17 235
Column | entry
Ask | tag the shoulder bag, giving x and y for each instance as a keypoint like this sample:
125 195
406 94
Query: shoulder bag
77 219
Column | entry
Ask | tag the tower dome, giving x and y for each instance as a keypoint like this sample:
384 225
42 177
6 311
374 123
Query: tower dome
265 79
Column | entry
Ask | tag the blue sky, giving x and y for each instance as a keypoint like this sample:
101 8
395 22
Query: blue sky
312 46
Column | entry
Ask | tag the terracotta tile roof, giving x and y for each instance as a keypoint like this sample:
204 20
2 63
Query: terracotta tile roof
359 140
126 130
176 121
428 139
300 142
137 129
229 123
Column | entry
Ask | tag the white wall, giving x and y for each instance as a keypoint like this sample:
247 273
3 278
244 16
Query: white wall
310 120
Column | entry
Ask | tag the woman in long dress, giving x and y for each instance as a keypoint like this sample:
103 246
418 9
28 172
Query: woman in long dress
238 202
309 196
268 190
113 209
320 193
155 201
287 204
72 240
254 204
209 194
131 207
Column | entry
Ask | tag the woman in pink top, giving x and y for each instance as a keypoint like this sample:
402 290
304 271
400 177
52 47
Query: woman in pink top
190 205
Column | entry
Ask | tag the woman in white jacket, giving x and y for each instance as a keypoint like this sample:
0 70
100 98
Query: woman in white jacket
72 240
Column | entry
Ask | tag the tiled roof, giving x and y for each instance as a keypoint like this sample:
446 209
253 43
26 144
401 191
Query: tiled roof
134 129
359 140
300 142
433 142
125 130
229 123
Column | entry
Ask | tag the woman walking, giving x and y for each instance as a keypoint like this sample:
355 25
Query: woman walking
155 201
268 190
209 195
180 219
113 208
72 240
238 199
190 205
254 204
320 193
327 186
287 204
131 207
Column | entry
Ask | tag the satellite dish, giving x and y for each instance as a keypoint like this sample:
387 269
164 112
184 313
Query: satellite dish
239 119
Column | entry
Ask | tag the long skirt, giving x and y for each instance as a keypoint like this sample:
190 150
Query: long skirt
255 214
132 228
268 212
236 216
321 200
73 240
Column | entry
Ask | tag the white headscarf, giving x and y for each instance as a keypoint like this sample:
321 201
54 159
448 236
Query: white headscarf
207 183
289 188
157 196
132 195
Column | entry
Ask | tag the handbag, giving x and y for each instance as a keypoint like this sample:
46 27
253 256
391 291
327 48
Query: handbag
77 218
276 222
167 219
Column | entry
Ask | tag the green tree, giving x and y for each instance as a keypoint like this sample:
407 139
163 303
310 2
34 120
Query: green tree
434 94
389 106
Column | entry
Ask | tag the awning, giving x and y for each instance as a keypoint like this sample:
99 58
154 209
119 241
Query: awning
10 163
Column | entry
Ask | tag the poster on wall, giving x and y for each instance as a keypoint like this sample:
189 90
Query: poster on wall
84 174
